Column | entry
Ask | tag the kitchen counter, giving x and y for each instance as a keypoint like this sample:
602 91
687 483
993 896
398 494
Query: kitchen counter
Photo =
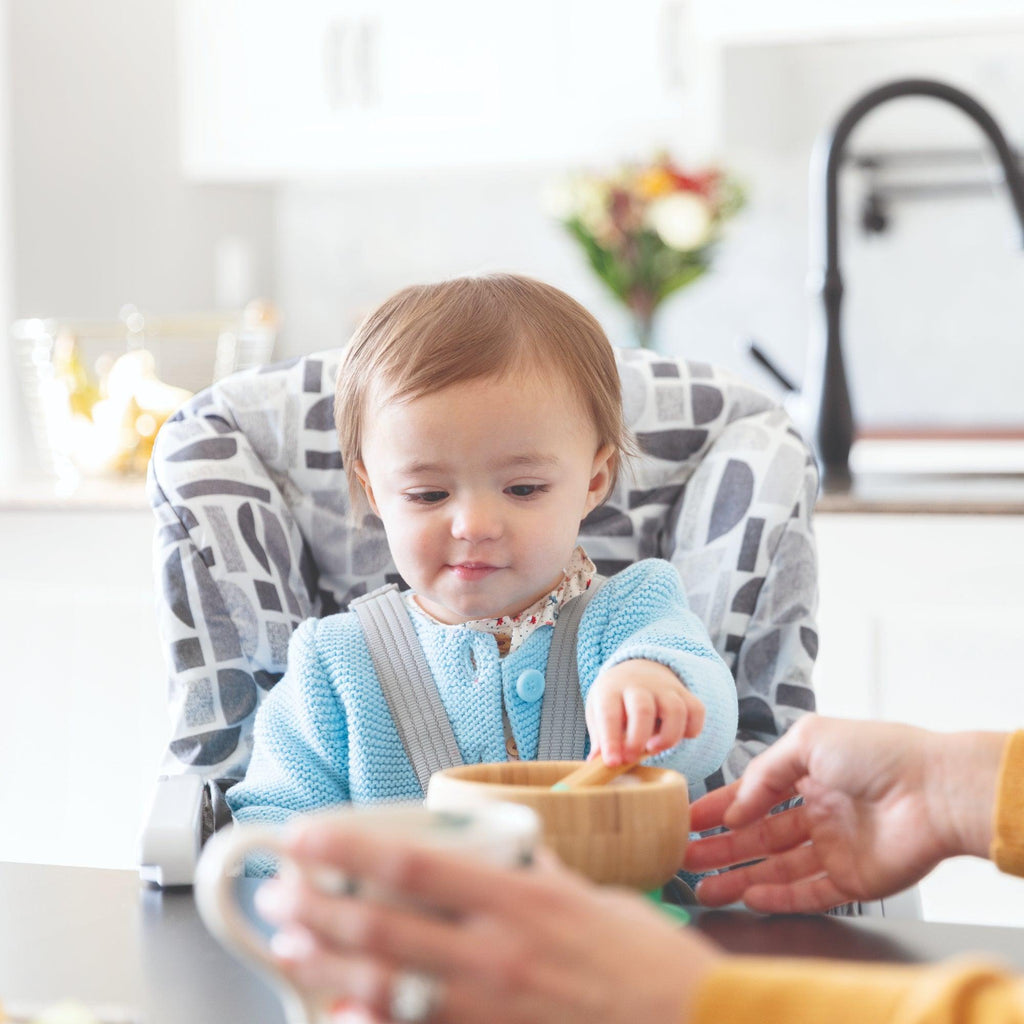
945 475
99 494
927 493
892 473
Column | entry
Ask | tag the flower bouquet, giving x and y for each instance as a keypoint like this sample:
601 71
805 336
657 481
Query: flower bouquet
648 229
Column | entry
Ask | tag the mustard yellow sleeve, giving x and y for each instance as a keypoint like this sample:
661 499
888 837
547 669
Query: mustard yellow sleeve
1007 850
762 990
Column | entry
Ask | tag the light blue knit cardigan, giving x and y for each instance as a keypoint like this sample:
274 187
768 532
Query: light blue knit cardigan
324 734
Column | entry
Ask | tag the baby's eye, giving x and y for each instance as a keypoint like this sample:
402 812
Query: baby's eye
426 497
525 490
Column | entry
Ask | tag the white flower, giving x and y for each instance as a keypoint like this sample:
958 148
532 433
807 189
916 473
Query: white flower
682 220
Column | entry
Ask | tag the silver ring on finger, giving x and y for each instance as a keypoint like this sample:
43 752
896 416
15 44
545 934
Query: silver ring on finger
415 997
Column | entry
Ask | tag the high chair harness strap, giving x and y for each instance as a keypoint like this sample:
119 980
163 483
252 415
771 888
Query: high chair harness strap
415 703
408 685
563 729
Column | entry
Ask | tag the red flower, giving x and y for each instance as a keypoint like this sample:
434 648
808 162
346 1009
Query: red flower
704 183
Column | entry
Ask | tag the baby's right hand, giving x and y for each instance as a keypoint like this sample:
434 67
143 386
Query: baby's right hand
639 708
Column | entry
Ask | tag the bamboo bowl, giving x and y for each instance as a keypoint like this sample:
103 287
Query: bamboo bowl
632 833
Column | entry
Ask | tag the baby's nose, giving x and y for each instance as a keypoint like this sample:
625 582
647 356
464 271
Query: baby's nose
477 520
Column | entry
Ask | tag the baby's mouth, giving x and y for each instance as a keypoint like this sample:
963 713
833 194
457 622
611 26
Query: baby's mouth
472 570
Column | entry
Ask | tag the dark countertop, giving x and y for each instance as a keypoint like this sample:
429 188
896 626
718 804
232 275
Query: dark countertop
137 954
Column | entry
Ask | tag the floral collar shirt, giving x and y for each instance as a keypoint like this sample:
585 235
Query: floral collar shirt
511 631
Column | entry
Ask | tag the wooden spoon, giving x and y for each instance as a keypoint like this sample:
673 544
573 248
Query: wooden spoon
593 773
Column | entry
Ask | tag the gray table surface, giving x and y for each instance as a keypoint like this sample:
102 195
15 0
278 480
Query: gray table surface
138 954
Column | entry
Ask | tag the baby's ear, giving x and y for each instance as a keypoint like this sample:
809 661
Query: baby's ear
601 473
359 468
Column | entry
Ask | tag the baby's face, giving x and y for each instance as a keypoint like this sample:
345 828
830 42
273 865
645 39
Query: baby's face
481 488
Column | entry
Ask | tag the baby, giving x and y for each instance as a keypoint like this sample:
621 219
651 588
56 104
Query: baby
481 420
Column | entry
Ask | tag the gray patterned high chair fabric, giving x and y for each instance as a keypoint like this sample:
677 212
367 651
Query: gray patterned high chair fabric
250 496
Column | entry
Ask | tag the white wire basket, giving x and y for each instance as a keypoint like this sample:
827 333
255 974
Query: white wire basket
97 391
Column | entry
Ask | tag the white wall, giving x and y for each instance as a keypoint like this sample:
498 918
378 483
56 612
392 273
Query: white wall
341 249
9 457
101 213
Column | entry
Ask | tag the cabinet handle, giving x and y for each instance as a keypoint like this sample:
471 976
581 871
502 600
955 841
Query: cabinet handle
335 87
366 62
674 22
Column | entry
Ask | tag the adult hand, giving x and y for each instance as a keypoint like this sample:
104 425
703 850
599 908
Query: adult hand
639 708
527 946
882 805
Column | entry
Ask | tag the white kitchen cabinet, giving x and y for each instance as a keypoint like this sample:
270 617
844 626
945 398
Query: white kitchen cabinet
794 21
84 720
275 90
920 621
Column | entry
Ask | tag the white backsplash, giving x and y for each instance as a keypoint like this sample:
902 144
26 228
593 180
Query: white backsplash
934 308
343 250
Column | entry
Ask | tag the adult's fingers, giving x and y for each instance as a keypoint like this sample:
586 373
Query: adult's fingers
781 870
772 776
336 979
400 934
707 812
443 880
808 896
346 980
773 834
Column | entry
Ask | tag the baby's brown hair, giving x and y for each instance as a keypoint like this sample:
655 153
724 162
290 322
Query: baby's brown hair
429 337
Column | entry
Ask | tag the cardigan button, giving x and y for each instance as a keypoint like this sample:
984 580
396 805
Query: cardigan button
530 685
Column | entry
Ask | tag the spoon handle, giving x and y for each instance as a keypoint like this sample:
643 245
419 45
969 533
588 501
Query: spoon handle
592 773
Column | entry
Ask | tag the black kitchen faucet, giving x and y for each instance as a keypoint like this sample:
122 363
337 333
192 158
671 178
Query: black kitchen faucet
827 391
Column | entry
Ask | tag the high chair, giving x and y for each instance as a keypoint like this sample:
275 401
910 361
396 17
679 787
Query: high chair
250 497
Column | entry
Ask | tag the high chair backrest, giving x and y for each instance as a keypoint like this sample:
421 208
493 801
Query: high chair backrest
250 496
